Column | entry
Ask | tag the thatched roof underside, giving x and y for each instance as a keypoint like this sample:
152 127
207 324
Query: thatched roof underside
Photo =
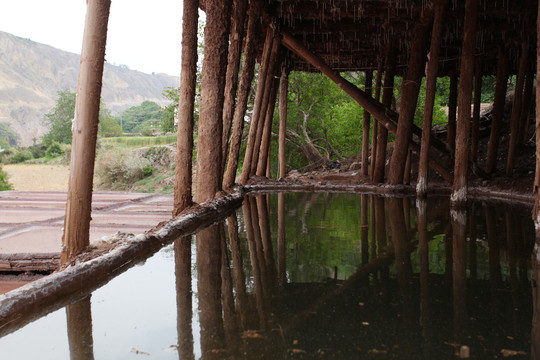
352 35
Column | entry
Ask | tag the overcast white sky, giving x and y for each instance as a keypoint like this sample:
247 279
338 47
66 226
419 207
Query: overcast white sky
144 35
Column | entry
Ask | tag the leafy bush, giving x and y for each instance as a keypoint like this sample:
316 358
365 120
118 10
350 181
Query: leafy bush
54 150
20 155
118 169
4 184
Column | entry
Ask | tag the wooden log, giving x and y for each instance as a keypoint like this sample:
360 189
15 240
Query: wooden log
375 135
536 210
244 88
284 89
29 262
186 105
76 237
216 40
476 109
409 98
461 165
526 108
497 112
452 111
246 167
231 78
431 84
364 171
516 108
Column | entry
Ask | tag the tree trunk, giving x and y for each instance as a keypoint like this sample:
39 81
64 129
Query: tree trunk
264 152
431 87
244 88
409 98
284 89
536 210
461 165
76 236
516 108
364 172
526 108
497 112
452 111
233 64
186 104
476 110
257 106
375 135
216 36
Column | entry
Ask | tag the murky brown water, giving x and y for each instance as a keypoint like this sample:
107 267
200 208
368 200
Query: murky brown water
315 276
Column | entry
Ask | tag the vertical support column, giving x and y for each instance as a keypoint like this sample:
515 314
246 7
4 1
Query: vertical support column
526 107
516 108
536 210
76 236
409 97
186 104
283 91
216 42
264 152
244 88
476 110
431 84
497 112
459 188
452 111
364 171
375 134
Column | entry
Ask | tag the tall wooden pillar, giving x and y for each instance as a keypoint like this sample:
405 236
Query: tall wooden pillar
76 236
216 42
250 50
459 188
264 151
452 111
409 98
431 83
498 112
526 107
186 105
375 135
364 171
536 210
476 109
283 91
516 108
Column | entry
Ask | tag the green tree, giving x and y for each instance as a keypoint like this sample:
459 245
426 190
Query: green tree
168 116
60 118
139 118
4 184
8 137
108 124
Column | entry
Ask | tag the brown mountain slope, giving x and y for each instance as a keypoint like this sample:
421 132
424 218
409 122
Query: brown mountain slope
31 74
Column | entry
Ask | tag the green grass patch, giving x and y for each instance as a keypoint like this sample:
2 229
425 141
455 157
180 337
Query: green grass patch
138 141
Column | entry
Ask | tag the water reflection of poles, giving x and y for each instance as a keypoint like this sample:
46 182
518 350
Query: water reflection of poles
264 225
365 228
535 332
380 228
459 272
421 206
182 262
473 264
282 279
79 329
227 297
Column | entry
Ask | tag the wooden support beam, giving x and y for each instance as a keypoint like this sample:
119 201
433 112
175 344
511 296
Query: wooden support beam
186 105
516 108
364 171
216 42
526 108
476 109
452 111
284 89
461 165
76 237
497 112
431 84
536 210
264 151
374 136
250 50
376 109
231 78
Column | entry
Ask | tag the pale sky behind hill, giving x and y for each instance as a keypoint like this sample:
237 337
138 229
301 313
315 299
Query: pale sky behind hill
144 35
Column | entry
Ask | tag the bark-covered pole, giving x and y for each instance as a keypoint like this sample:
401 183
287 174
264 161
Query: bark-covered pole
250 50
216 36
76 236
375 135
497 112
516 108
459 188
255 118
283 91
231 79
536 210
186 105
364 171
452 111
431 84
409 98
476 109
526 107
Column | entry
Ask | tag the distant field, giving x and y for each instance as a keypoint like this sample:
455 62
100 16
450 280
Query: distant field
37 177
139 141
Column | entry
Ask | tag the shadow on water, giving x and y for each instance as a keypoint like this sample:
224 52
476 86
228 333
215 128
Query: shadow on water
317 275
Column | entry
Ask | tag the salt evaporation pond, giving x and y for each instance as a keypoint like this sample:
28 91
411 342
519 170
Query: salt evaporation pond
314 276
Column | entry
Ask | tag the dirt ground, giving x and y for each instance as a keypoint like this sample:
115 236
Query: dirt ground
37 177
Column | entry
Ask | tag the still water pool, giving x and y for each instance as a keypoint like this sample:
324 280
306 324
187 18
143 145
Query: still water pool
315 276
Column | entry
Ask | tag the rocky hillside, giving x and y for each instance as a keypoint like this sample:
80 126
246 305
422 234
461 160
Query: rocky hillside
31 74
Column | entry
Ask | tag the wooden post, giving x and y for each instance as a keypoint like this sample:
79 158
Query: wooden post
388 93
431 84
526 108
76 236
244 88
452 111
257 107
409 98
284 89
186 105
516 108
231 78
264 151
364 171
476 110
461 165
375 135
498 112
536 210
216 42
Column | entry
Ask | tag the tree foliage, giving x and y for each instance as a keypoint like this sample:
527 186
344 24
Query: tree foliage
4 184
8 137
60 118
144 118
